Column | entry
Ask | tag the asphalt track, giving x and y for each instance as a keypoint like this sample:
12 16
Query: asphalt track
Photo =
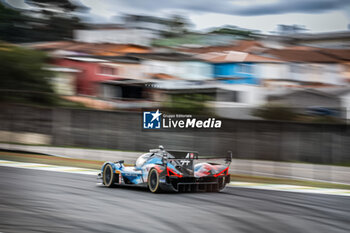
45 201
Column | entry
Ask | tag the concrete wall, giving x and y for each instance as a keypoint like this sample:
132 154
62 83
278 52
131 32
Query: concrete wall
122 130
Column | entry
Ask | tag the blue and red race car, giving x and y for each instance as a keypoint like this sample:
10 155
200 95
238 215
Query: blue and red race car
175 171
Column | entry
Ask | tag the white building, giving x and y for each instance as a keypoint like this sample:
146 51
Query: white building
177 65
301 66
237 95
295 73
116 36
147 22
188 70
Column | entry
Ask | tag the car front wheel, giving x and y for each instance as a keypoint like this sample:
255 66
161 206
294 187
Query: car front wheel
108 176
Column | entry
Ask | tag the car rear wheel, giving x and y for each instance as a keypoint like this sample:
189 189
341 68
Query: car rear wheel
153 181
108 176
221 184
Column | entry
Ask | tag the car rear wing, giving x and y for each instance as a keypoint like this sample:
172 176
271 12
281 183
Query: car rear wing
188 155
180 154
194 155
227 158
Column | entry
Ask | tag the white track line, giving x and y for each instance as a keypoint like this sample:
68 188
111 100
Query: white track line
291 188
47 167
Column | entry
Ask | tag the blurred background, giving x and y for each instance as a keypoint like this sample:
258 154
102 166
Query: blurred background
79 74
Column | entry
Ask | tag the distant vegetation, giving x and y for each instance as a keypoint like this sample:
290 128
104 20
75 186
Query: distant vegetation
23 78
188 37
285 113
275 112
187 104
234 31
20 27
177 26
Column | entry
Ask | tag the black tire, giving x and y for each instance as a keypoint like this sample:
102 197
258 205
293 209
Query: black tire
153 181
108 176
221 184
218 187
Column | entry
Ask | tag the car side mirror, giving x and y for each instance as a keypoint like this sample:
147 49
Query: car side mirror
165 159
121 162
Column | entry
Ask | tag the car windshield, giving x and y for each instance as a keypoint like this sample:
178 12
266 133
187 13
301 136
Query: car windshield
142 159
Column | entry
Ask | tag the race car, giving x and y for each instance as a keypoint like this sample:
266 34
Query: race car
175 171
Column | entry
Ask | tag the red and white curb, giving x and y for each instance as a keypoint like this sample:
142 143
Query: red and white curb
47 167
274 187
291 188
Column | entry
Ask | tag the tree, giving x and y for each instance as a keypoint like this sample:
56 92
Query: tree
23 78
63 5
188 103
58 19
13 25
50 20
177 25
232 30
275 112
